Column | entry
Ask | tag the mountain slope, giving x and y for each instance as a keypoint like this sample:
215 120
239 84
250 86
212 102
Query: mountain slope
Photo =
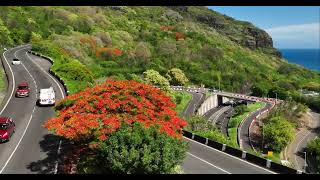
94 42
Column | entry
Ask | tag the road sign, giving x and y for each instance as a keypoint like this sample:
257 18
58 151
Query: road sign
270 153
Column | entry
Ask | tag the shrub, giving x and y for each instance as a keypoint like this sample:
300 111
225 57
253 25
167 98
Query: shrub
134 149
153 77
278 133
176 77
74 70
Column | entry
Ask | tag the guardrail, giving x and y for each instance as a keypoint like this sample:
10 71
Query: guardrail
51 72
266 163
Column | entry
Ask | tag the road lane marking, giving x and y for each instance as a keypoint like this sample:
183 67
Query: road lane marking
18 142
230 156
62 94
56 166
296 150
47 74
209 163
13 80
34 81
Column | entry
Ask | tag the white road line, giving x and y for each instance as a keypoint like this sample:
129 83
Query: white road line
209 163
34 81
28 121
18 142
231 156
47 75
296 150
56 166
62 94
13 81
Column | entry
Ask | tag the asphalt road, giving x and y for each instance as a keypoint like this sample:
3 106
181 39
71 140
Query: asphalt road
31 149
244 129
298 145
201 159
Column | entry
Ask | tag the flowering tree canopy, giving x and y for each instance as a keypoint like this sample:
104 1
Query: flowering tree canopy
96 112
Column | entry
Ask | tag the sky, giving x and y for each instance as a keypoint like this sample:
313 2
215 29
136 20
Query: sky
295 27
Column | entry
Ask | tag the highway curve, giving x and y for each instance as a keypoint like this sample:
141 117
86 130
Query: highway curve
244 129
31 149
201 159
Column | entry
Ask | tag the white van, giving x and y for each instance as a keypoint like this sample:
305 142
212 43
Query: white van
47 96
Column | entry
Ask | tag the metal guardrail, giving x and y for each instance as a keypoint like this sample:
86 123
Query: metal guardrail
51 72
266 163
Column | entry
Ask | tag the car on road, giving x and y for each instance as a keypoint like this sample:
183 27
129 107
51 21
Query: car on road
22 90
46 97
16 61
7 128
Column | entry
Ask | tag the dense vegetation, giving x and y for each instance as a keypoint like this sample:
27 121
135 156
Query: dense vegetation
313 148
279 126
241 112
202 127
130 127
126 41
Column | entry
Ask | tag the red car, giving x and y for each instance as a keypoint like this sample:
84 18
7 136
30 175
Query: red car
22 90
7 128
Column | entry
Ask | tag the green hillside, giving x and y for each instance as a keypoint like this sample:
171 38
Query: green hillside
89 43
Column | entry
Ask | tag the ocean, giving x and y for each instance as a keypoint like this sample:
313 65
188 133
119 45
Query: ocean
309 58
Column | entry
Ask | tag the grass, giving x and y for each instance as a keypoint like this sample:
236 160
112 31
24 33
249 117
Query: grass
185 98
236 120
2 80
232 132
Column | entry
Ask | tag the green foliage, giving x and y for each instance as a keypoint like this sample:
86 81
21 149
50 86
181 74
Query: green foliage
313 147
278 133
153 77
241 109
4 35
176 77
74 70
202 127
213 49
138 150
181 99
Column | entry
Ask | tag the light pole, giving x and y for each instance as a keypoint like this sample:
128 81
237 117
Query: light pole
305 161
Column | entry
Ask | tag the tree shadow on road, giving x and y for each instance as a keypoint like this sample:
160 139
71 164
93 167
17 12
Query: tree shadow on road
49 145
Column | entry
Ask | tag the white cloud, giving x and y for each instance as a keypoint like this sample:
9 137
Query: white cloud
299 35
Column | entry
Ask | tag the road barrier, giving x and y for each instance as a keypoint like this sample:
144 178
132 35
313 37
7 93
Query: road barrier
51 72
266 163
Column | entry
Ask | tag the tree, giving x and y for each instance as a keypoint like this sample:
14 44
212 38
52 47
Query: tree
176 77
35 37
241 109
153 77
4 35
74 70
278 133
131 127
96 112
139 150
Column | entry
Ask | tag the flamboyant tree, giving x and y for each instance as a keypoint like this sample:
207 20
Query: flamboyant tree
96 112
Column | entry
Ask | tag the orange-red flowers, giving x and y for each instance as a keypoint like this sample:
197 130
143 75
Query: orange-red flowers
100 110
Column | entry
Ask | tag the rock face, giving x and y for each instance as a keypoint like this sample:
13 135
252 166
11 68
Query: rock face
260 39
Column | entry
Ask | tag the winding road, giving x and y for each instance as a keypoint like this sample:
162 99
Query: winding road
31 149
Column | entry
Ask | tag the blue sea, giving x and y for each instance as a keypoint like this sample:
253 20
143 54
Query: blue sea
309 58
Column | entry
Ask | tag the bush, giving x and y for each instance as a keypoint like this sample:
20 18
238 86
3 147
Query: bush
278 133
176 77
74 70
134 149
153 77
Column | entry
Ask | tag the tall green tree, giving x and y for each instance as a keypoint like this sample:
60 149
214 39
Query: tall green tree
176 77
278 133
